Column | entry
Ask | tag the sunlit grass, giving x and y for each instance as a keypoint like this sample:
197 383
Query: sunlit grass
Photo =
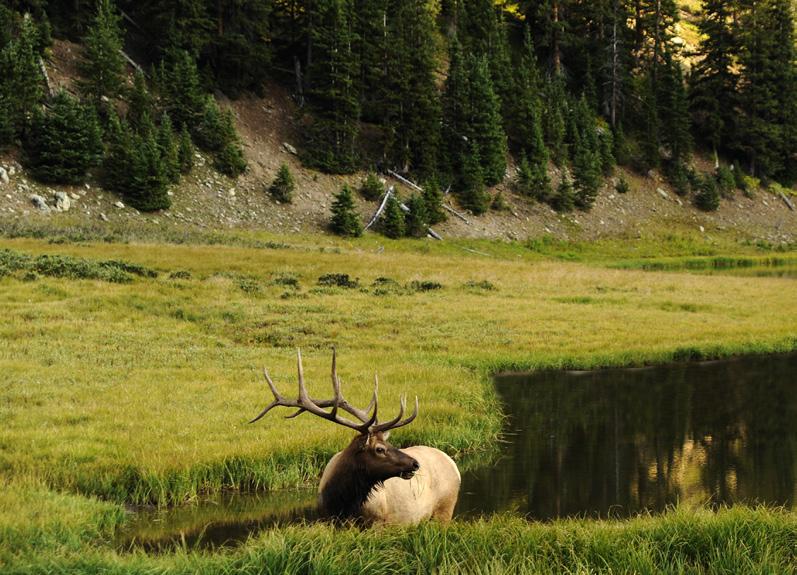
141 391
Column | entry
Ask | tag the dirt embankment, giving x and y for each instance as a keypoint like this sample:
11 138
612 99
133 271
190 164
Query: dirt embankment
209 200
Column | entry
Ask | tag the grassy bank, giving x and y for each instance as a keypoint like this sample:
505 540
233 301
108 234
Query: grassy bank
139 390
739 540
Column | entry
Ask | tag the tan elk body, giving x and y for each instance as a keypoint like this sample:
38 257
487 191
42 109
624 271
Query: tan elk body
370 480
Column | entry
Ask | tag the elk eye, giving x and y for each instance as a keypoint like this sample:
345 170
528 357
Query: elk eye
380 450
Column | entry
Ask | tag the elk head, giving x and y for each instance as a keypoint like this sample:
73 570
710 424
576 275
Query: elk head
369 458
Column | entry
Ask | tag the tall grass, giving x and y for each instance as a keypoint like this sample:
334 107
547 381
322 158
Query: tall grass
738 540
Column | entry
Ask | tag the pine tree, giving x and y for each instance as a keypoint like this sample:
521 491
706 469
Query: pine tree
209 131
412 100
708 197
456 109
564 199
102 66
185 151
371 188
417 220
486 127
393 225
281 189
471 192
554 121
150 184
433 202
673 110
768 84
139 102
23 83
180 89
586 156
345 219
230 159
331 138
118 158
713 80
606 150
7 131
63 143
167 145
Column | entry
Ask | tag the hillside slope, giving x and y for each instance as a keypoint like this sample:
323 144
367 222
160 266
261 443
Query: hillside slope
207 199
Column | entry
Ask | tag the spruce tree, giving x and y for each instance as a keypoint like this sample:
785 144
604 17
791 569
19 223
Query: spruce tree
486 127
281 189
433 202
185 151
230 159
417 220
456 109
139 102
150 183
564 199
471 192
118 159
345 218
62 143
371 188
180 89
708 196
23 83
412 100
7 131
586 156
102 66
331 137
393 225
167 145
673 110
555 120
713 80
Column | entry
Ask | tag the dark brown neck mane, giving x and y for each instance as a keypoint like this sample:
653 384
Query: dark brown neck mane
349 488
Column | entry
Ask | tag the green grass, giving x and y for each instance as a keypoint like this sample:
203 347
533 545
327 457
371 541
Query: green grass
139 391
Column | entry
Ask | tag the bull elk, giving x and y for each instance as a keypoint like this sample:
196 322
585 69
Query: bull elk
371 480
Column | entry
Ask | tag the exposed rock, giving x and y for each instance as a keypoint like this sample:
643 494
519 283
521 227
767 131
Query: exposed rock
74 196
103 217
702 229
119 205
40 203
62 203
663 194
3 175
288 148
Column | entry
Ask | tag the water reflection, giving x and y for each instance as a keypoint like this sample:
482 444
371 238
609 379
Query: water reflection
616 442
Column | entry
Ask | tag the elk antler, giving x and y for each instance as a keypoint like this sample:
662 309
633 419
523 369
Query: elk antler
368 423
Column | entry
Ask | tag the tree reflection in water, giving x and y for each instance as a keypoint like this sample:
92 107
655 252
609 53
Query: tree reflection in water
616 442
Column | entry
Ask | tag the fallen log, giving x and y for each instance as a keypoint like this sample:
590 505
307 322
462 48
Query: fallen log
132 62
455 212
43 68
381 208
418 188
787 201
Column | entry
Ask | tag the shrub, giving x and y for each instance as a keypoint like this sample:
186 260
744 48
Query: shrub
621 187
338 280
282 187
482 285
180 275
499 203
345 219
425 285
371 188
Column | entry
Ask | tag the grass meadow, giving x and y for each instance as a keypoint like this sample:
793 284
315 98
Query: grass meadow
121 385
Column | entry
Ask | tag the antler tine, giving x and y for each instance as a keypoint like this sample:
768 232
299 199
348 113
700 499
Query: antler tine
396 423
278 399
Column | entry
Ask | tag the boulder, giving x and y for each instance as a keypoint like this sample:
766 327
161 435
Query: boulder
62 202
3 175
40 203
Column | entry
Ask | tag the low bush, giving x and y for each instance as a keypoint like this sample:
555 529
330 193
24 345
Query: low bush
338 280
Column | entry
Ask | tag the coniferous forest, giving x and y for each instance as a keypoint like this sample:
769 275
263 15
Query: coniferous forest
448 92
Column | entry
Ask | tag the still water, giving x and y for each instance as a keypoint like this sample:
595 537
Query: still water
620 441
607 443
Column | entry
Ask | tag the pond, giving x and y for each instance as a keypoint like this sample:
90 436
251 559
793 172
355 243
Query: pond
606 443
